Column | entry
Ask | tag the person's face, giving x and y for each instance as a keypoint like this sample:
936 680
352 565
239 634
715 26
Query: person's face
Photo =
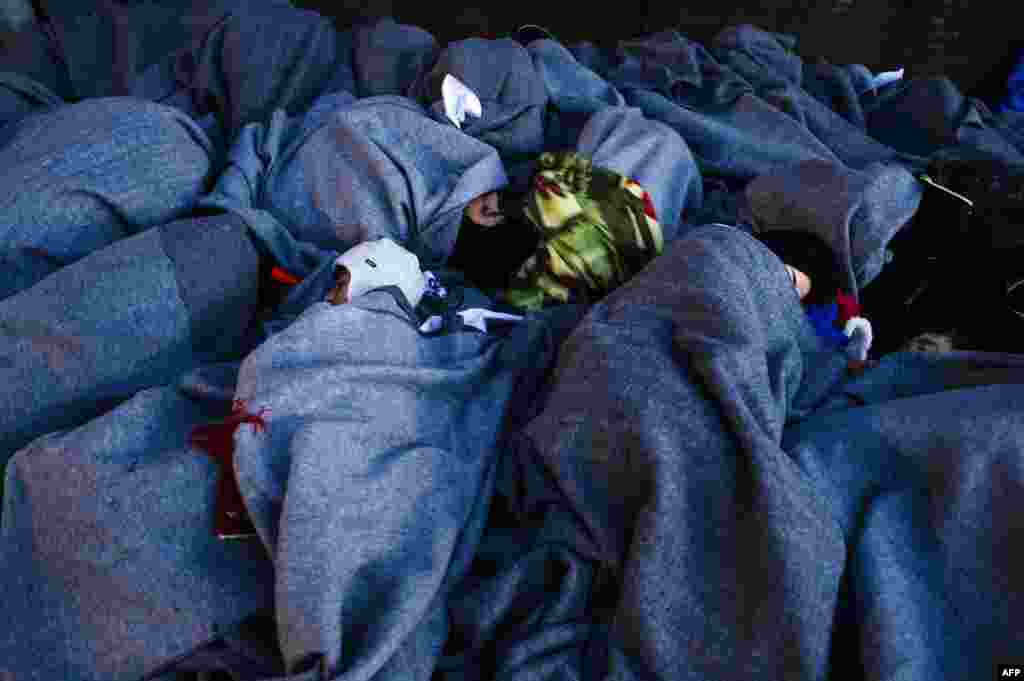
338 295
485 210
801 282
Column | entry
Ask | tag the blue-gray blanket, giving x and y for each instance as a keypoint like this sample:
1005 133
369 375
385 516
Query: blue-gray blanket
679 483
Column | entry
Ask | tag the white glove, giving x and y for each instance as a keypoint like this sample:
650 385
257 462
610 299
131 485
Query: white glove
374 264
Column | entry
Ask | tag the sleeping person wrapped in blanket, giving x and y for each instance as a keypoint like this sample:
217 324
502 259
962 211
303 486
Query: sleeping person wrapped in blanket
578 233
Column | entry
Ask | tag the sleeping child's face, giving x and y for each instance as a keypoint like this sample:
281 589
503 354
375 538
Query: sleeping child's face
338 295
485 210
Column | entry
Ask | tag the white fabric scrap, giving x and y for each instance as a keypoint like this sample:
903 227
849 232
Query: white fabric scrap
459 100
432 325
887 77
477 317
860 326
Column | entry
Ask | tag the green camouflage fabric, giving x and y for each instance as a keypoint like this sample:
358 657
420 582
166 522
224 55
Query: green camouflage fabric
598 228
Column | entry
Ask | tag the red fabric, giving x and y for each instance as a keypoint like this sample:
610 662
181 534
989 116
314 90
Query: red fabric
218 440
649 206
284 276
547 187
848 308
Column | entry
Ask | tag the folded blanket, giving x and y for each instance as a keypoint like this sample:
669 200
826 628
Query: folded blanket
389 58
512 94
105 45
90 173
369 483
856 212
351 171
750 511
133 315
250 63
112 569
926 116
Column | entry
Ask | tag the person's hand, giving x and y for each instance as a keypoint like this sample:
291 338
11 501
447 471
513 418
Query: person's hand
801 282
375 264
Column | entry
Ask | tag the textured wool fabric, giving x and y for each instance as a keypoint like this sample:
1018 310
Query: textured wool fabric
405 176
324 384
856 212
20 95
730 128
91 173
626 141
511 92
924 116
250 63
105 45
406 495
127 534
389 58
726 461
133 315
683 483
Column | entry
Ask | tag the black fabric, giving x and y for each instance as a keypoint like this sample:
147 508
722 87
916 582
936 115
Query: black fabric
34 52
811 255
997 190
955 264
489 256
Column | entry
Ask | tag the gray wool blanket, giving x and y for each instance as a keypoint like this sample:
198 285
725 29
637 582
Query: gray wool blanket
681 482
761 512
134 315
356 554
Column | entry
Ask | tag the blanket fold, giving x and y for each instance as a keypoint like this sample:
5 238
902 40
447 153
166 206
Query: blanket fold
404 176
682 481
90 174
133 315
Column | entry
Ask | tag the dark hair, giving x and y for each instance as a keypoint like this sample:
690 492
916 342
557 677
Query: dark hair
810 254
489 256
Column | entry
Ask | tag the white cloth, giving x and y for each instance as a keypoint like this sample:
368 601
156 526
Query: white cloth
374 264
861 337
434 323
459 100
477 317
887 77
